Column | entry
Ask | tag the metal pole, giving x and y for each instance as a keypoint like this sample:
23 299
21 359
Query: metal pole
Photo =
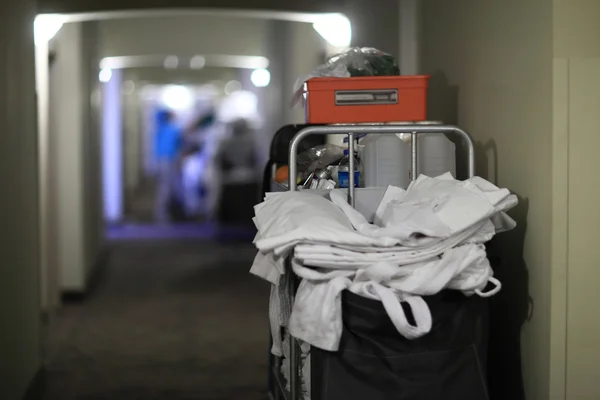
375 129
294 370
414 156
351 167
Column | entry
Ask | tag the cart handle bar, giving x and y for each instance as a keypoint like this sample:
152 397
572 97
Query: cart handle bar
352 130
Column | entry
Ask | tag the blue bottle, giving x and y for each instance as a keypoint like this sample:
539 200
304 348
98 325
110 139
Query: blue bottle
343 176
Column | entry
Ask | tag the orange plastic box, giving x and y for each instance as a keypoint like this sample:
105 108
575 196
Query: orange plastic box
366 99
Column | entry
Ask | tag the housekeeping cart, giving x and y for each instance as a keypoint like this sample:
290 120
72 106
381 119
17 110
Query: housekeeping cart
473 321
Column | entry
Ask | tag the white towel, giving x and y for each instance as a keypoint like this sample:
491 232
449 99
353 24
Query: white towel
288 218
364 257
316 316
430 209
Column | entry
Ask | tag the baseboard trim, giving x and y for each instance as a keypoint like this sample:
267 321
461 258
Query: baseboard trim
37 387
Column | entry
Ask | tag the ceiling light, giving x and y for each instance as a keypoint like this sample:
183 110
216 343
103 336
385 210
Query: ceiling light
260 77
197 62
171 62
105 75
46 26
336 29
177 97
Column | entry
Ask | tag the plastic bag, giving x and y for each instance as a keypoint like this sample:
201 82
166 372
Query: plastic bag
319 157
365 61
356 61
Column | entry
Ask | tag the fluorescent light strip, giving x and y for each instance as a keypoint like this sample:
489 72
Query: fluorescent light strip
215 60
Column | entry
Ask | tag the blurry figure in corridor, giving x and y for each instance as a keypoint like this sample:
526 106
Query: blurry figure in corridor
195 165
239 171
168 141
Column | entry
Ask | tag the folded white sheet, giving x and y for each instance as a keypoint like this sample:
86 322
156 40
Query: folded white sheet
352 258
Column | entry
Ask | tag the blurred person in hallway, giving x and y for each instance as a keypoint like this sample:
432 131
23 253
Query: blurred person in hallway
168 142
195 167
232 149
236 159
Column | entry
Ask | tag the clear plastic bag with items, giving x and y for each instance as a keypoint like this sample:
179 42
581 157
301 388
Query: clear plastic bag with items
365 61
319 157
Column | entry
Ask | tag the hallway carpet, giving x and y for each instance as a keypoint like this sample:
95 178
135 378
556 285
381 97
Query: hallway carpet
168 321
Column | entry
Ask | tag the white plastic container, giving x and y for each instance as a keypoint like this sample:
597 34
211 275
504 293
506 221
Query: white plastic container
436 156
386 161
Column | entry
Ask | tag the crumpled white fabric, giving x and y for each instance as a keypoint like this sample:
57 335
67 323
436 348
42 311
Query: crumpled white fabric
430 210
287 218
416 246
316 316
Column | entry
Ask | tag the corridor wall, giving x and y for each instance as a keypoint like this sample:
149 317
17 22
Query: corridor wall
577 101
75 140
92 185
530 96
492 73
20 337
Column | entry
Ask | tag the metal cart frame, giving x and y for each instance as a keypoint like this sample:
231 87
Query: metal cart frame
414 129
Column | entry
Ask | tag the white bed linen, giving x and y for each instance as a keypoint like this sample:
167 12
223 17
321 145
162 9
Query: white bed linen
423 240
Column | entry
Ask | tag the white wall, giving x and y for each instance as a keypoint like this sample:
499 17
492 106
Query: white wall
93 216
48 269
67 106
295 49
491 63
374 24
577 140
20 337
184 36
583 254
411 36
278 34
532 92
75 140
132 143
307 50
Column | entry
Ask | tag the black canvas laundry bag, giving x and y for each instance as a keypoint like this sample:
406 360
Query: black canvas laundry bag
375 362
